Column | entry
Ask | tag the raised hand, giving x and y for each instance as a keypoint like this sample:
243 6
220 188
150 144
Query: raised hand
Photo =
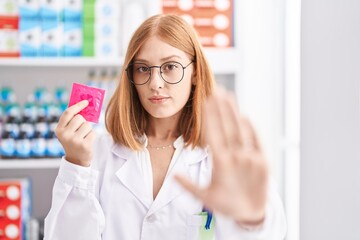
239 184
76 135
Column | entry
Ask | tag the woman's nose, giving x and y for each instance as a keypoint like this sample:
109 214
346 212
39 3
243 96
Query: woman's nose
156 80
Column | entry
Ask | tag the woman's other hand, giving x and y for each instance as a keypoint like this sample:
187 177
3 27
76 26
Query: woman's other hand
76 135
240 175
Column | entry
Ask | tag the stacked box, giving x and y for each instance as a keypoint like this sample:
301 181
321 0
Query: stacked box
15 208
107 17
9 45
8 8
30 28
88 30
30 37
51 27
72 37
213 19
51 38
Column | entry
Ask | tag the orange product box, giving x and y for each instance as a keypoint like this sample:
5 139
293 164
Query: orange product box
212 19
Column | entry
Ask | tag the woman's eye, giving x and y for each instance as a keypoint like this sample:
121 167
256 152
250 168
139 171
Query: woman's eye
170 66
142 69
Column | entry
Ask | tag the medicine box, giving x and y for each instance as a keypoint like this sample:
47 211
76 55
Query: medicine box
9 8
72 39
29 9
30 38
72 10
51 10
51 38
9 45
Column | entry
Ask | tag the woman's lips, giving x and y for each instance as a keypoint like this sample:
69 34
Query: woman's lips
158 99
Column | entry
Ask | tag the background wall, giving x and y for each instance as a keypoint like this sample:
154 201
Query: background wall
330 124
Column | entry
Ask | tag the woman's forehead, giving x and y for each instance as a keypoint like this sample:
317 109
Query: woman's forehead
155 49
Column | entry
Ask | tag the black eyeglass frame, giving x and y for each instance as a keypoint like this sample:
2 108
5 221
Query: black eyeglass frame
150 67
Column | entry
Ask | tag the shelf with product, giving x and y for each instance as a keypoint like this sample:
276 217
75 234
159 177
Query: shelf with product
29 163
91 32
60 32
61 62
27 127
28 119
215 56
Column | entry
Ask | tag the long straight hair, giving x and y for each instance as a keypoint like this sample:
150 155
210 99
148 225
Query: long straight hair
126 119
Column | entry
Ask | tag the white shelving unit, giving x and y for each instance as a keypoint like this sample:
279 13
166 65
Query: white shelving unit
61 62
215 56
29 163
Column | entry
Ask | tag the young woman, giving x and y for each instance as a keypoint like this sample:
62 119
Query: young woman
179 161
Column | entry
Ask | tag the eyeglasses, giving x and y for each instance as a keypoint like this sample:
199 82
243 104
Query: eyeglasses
171 72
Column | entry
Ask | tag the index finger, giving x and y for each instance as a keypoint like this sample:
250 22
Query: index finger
70 112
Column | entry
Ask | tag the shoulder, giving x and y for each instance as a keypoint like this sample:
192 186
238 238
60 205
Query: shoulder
105 149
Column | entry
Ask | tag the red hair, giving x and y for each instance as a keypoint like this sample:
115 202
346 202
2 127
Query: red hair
126 119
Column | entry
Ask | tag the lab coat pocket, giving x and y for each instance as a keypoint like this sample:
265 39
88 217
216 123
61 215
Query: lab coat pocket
196 229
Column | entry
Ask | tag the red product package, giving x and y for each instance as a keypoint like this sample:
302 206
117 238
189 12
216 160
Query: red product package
95 96
10 210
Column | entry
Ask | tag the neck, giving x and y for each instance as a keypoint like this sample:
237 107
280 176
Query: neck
162 131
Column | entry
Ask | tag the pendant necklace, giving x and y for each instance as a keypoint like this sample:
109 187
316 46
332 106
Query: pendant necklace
160 147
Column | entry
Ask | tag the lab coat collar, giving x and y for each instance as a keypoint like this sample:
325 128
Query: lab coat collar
130 174
122 151
170 188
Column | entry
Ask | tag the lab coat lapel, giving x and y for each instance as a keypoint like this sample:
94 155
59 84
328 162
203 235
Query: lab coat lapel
171 189
130 176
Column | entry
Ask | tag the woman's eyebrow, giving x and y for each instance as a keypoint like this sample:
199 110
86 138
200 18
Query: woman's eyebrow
170 57
140 60
162 59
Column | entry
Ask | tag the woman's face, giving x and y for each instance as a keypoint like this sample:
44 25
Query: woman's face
159 98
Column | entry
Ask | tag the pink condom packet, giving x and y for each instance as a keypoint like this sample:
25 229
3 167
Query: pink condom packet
95 96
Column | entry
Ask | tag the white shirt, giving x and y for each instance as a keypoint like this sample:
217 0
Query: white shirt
113 199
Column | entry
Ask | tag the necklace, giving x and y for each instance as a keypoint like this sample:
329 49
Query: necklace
160 147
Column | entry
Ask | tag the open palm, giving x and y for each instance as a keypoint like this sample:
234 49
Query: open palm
240 173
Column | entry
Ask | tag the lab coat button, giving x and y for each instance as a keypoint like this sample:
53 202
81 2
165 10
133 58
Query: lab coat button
151 218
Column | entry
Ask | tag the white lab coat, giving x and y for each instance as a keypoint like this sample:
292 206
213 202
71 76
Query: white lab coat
110 201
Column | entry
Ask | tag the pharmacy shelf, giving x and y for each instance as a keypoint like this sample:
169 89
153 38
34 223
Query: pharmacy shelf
222 61
29 163
61 62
